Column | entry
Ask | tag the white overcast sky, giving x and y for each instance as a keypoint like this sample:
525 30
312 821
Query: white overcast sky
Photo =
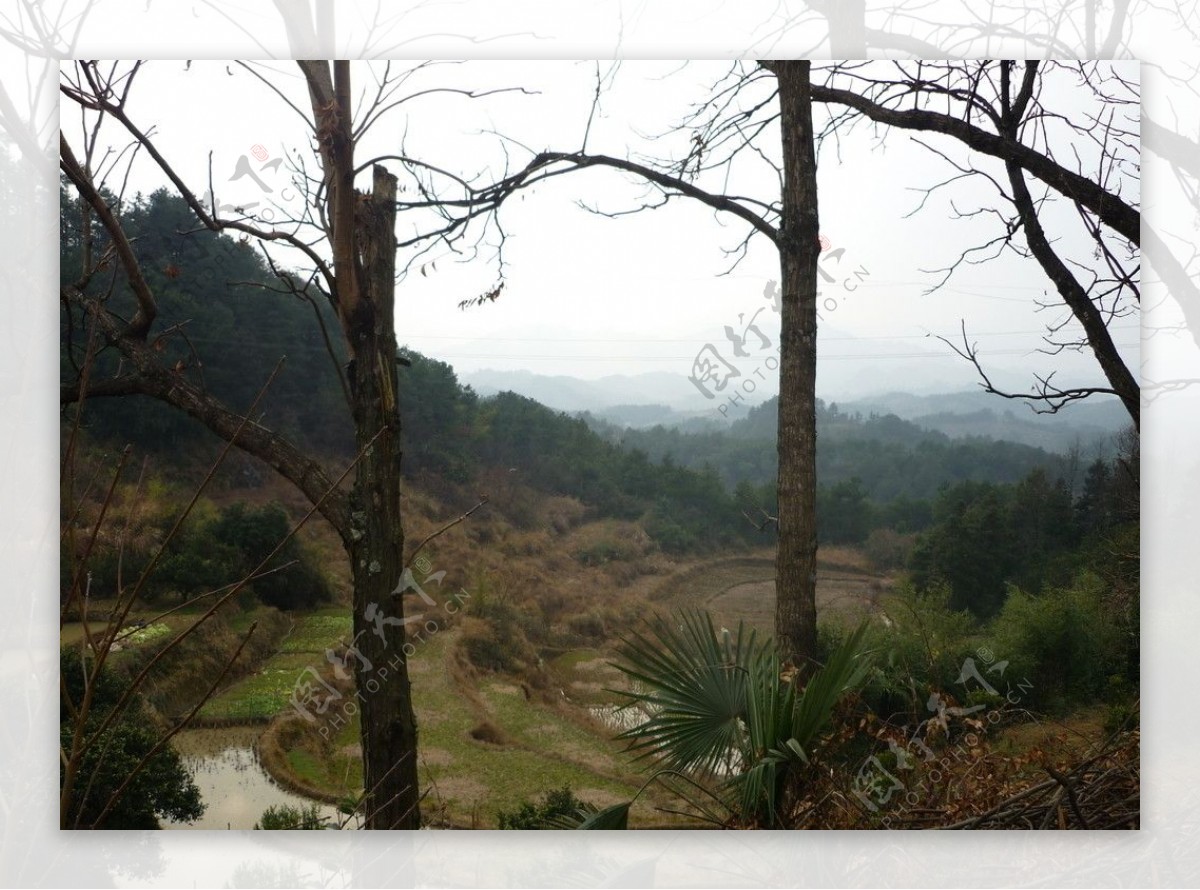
589 296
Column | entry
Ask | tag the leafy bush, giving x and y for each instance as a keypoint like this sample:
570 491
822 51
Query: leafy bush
286 817
843 512
672 537
1121 718
1062 641
256 531
922 644
162 788
212 549
556 809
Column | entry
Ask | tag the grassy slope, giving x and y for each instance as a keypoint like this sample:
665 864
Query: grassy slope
467 780
542 746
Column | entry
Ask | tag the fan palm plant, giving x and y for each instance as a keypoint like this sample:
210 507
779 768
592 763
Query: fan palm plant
721 709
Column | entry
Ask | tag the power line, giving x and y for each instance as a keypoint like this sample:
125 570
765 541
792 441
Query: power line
685 358
293 346
490 339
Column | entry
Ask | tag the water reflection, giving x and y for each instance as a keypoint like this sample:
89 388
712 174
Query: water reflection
233 784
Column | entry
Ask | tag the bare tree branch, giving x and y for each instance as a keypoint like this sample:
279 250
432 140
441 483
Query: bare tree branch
1054 398
1110 208
151 378
441 531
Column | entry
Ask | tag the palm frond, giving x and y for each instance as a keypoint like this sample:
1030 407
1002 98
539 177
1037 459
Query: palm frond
611 818
692 681
770 704
719 705
846 670
786 722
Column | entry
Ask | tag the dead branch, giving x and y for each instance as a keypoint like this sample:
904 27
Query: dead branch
1053 397
1102 792
879 106
441 531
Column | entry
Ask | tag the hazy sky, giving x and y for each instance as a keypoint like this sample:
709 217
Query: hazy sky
590 296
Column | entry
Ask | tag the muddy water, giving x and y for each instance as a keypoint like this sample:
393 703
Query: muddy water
616 718
234 786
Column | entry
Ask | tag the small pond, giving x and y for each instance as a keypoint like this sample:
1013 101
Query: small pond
233 784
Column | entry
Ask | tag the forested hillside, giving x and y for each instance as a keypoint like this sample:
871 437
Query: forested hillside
691 489
892 458
221 288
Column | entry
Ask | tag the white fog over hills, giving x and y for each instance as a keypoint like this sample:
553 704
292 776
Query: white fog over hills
670 399
852 365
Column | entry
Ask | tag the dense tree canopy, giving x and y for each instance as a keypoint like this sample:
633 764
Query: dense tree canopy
987 538
162 789
218 295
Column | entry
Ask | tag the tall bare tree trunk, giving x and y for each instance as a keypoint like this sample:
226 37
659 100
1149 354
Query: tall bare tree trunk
362 235
361 232
796 560
376 545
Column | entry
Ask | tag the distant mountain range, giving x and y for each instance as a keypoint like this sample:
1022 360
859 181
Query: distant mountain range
670 390
671 399
976 413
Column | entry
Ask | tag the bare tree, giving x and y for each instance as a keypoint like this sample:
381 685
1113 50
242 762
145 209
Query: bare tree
990 114
1086 30
357 228
789 219
995 116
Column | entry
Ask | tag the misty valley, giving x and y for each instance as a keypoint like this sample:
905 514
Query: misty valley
316 577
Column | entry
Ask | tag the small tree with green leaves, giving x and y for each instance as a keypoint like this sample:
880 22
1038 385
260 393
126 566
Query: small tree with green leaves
555 809
161 789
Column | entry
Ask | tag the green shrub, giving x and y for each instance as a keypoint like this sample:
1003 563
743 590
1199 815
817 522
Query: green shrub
556 809
253 533
672 537
162 787
289 818
1121 718
1062 641
214 549
923 643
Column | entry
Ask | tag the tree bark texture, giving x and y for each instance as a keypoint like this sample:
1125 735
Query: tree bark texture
376 539
796 559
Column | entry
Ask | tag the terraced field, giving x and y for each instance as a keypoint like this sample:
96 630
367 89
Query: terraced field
485 745
743 589
487 741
